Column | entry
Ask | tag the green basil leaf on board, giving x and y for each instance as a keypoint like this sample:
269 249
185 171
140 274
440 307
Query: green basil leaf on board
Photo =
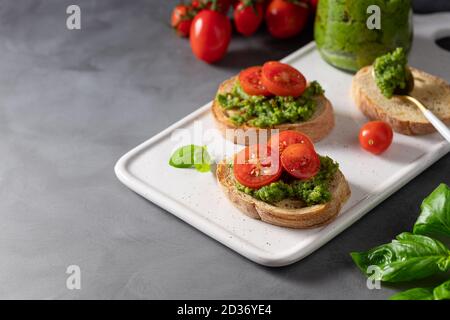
441 292
434 217
409 257
191 156
202 160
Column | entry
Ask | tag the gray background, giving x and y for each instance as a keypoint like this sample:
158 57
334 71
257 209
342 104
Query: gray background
72 102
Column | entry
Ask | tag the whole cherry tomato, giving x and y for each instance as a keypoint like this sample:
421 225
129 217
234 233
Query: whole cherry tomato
181 19
376 136
210 35
248 17
286 18
220 5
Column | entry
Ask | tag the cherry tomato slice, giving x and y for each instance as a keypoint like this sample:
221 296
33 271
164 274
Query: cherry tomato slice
256 167
300 161
250 81
376 136
282 79
286 138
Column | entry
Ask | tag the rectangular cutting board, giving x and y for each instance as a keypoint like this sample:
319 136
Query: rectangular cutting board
197 199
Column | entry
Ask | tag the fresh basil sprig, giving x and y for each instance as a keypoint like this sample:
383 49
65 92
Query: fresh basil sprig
409 257
434 217
191 156
441 292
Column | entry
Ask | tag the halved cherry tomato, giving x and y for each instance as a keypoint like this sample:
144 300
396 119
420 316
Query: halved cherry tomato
248 17
282 79
210 35
286 138
250 81
376 136
300 161
255 166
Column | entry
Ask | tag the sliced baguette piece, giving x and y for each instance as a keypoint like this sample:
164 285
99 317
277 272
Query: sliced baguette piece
286 213
402 115
317 128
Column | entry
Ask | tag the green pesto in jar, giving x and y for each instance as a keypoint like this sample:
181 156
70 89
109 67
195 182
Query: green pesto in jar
344 39
266 112
312 191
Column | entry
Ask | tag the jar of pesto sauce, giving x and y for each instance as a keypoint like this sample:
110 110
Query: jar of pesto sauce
345 39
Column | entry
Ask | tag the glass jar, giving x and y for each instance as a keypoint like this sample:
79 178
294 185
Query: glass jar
344 38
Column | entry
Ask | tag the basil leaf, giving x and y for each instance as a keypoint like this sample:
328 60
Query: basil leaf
414 294
202 160
434 218
407 258
191 156
183 157
441 292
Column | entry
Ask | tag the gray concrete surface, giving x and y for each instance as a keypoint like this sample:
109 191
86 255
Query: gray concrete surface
72 102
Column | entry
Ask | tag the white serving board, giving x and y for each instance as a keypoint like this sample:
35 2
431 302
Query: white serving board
197 199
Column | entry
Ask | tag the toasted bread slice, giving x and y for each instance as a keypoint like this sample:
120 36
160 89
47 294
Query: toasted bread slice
317 128
402 115
286 213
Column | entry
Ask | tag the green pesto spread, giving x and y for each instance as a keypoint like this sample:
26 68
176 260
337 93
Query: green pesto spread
391 72
266 112
344 39
311 192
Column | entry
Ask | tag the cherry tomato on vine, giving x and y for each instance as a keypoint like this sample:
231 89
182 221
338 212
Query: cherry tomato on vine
248 16
181 19
255 166
210 35
286 18
220 5
250 81
376 136
300 161
282 79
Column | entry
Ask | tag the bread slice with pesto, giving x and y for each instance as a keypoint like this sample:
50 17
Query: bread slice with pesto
289 213
403 116
317 127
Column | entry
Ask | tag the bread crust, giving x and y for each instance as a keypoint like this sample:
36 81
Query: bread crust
288 213
371 109
317 128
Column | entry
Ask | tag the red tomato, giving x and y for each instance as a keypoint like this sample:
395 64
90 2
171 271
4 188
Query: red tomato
210 35
300 161
376 136
282 79
181 20
286 138
286 19
313 4
222 5
255 166
250 81
248 17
